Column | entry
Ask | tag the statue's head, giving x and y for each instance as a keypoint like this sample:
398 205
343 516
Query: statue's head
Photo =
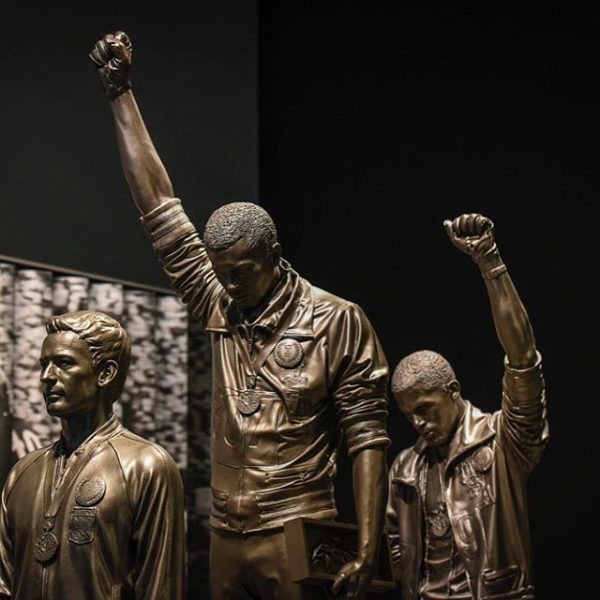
428 394
84 362
241 241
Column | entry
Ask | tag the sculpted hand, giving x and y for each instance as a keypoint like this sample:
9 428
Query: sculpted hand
354 578
473 234
112 56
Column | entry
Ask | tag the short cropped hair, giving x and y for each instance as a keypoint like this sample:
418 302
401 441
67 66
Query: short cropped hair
105 337
424 370
238 220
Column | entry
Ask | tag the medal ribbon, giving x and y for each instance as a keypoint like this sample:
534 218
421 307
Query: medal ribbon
254 366
91 449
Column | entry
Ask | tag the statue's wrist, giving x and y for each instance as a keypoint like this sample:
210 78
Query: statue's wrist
490 263
114 91
368 558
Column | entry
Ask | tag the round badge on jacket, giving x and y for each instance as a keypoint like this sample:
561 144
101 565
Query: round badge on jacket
288 353
483 459
90 491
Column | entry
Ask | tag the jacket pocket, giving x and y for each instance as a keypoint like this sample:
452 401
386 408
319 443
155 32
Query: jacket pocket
526 593
500 581
291 475
297 397
219 500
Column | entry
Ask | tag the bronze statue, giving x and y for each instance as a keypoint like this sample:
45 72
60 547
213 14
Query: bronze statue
457 509
99 513
293 368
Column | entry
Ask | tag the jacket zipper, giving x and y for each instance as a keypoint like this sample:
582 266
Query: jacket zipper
44 582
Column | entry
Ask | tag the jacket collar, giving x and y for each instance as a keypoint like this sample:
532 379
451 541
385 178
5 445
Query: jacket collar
104 432
292 294
473 430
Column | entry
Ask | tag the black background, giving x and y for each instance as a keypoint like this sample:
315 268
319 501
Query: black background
377 121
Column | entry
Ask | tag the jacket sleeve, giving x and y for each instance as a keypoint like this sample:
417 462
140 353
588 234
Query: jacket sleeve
523 429
158 530
184 258
359 374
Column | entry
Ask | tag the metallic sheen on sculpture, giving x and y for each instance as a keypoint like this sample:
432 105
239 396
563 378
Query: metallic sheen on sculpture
294 367
99 513
457 508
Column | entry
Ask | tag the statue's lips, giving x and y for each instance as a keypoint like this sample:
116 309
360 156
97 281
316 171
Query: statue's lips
430 436
52 397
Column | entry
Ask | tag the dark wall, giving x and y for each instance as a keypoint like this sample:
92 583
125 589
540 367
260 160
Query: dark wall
376 124
65 201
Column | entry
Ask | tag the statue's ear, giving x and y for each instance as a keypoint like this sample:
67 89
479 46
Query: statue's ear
108 372
453 389
275 253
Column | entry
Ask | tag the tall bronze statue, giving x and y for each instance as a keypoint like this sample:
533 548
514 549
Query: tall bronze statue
99 513
457 509
294 367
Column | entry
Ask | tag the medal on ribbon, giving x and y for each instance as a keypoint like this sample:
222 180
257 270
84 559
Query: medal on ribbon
439 522
248 402
46 544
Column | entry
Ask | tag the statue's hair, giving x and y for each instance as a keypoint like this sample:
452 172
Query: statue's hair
105 337
238 220
424 370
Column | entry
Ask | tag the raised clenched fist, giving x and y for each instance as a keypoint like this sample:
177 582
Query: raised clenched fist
473 234
112 56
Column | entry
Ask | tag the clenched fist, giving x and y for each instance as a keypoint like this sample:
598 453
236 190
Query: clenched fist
473 234
112 56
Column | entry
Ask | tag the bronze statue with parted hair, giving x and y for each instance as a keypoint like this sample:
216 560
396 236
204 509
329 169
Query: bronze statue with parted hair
99 513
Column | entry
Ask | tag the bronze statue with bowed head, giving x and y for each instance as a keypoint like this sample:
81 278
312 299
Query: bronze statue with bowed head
457 510
99 513
292 367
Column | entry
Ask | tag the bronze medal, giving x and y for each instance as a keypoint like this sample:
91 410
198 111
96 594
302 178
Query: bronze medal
439 523
483 459
288 353
248 402
90 491
45 546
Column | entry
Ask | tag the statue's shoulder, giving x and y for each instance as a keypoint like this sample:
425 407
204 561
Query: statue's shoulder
23 466
137 454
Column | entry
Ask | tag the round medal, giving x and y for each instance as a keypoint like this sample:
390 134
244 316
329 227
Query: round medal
289 353
248 402
483 459
439 523
90 491
45 546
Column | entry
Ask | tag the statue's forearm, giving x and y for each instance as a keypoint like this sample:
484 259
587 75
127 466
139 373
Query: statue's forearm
145 173
510 317
370 497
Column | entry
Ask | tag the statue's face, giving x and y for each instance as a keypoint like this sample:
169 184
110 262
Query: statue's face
69 379
247 274
434 414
